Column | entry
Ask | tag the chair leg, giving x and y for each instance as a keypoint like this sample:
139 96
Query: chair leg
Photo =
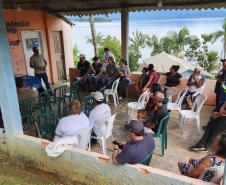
115 100
107 98
183 123
127 114
104 148
162 141
166 142
197 120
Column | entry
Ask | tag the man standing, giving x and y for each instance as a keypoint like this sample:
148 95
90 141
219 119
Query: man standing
134 151
38 63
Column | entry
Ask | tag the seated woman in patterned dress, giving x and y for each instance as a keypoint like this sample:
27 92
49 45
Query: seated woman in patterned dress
195 167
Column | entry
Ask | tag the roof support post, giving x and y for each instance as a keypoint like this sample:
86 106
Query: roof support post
124 33
8 96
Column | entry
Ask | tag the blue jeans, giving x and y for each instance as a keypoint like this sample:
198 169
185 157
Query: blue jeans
44 77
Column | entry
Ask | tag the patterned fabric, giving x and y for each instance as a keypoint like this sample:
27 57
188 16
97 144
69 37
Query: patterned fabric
185 167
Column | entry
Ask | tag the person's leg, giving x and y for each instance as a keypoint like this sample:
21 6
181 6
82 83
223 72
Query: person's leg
218 127
45 80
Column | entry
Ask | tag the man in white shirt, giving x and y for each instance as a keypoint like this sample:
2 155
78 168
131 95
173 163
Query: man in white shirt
100 112
72 124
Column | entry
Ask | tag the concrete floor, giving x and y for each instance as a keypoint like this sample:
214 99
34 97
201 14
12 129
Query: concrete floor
177 142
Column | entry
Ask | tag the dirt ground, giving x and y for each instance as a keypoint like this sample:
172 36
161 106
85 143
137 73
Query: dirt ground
13 173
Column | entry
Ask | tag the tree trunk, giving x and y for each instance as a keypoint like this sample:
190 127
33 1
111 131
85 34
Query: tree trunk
93 31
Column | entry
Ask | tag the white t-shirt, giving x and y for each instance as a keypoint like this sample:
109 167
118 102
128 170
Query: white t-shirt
70 125
99 113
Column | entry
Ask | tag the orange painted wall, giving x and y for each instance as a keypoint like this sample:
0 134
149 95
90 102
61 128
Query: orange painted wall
39 20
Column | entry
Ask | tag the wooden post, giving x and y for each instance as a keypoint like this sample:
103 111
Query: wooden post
125 34
8 95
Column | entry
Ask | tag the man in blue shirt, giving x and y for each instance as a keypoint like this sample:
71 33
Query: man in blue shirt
134 151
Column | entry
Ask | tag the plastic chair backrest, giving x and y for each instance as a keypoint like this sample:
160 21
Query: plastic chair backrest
74 89
60 91
44 97
146 161
180 97
87 104
107 126
47 123
142 98
102 89
84 138
216 173
26 106
163 124
199 101
115 86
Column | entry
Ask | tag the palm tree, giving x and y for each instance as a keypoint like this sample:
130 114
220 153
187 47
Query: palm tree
221 34
155 44
138 39
93 31
99 39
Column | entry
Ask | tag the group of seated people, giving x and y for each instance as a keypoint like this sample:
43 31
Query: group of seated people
142 130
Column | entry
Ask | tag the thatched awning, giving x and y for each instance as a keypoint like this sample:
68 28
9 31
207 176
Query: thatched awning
86 7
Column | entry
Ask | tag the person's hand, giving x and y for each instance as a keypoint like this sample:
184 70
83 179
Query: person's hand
115 147
223 111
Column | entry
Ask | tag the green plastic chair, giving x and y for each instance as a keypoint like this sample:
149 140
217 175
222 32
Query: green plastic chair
162 133
73 91
59 99
87 104
146 161
47 123
43 102
26 107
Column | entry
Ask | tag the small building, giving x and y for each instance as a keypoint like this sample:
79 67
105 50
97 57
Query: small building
50 33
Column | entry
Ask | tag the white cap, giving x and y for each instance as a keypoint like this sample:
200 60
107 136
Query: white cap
98 96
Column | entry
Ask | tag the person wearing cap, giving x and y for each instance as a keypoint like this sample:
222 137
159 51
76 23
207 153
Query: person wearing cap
135 150
84 67
195 86
98 113
70 125
156 112
38 63
219 88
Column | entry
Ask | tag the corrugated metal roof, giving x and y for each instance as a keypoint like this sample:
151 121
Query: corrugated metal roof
86 7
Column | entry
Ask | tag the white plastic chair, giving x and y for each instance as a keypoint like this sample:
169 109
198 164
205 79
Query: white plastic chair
84 138
194 113
176 106
217 173
134 106
113 92
105 132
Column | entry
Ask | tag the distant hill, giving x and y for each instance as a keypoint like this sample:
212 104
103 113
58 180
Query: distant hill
163 14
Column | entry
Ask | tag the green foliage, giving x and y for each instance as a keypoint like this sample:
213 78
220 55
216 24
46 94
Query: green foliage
137 41
221 34
113 44
99 39
155 44
75 55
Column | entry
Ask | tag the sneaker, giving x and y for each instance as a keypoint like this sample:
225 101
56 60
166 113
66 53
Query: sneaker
197 148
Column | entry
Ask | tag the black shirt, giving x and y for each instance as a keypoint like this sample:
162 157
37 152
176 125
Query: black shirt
97 68
135 151
220 78
172 81
83 67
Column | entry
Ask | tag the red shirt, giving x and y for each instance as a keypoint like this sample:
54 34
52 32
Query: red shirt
155 77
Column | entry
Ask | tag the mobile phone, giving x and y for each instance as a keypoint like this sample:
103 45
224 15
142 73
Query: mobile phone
117 143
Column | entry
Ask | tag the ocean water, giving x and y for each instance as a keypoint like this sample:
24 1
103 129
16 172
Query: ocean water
81 31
